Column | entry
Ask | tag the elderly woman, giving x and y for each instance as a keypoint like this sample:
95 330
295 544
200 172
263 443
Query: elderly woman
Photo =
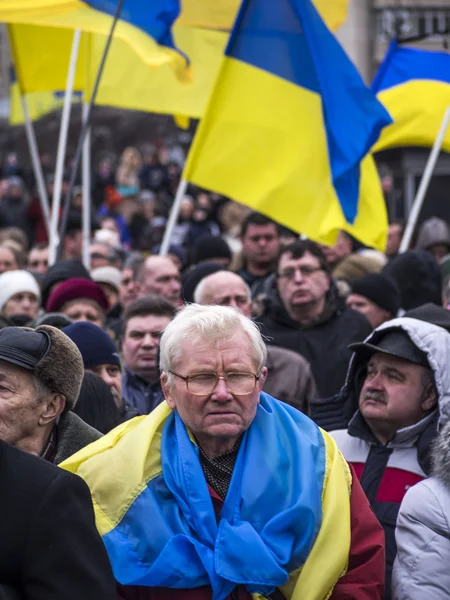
80 300
19 297
222 491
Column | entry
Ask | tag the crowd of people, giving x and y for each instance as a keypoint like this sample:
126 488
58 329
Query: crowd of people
253 413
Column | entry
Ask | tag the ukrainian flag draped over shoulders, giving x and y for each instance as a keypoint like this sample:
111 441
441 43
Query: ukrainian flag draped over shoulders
290 124
145 25
414 85
154 511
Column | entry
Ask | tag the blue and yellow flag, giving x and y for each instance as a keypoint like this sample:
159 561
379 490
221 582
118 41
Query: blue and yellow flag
414 86
145 26
288 124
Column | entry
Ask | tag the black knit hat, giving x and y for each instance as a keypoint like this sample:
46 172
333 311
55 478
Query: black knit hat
417 276
193 277
95 345
379 289
209 247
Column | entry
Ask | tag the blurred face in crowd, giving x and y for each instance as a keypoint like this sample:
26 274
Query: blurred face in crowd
112 376
7 260
373 313
38 260
227 289
25 419
161 277
110 292
302 285
140 344
22 303
260 244
396 394
73 244
395 232
129 288
439 251
186 209
341 249
15 191
3 188
99 256
216 415
84 309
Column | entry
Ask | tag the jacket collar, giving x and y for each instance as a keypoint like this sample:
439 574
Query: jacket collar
407 437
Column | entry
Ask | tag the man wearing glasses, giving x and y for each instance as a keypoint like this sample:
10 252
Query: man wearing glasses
222 491
304 313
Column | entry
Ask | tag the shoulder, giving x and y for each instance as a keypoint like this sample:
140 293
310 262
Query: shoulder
355 319
23 470
278 357
427 503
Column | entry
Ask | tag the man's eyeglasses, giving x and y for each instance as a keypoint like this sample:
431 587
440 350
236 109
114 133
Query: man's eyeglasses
305 272
203 384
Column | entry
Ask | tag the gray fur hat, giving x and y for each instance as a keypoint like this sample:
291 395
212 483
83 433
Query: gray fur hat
49 354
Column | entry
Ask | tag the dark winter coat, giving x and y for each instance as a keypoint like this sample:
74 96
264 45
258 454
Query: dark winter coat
73 435
49 545
324 343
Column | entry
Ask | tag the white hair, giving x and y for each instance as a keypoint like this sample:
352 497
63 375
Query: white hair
211 323
199 292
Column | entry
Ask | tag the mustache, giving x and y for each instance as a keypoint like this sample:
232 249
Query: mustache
376 395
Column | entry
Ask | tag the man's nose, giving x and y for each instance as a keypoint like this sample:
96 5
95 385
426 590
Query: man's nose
149 340
375 382
298 277
221 391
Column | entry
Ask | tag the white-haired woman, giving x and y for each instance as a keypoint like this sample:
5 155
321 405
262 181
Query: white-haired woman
20 297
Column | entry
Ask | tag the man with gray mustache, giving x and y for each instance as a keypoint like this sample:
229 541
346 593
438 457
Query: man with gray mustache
399 382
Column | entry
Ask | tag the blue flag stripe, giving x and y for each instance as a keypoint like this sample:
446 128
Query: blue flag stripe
406 64
154 17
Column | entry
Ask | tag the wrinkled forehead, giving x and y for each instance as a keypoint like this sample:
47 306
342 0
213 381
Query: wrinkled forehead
13 373
236 342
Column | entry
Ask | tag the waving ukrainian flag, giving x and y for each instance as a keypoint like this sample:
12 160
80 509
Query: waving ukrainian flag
290 124
144 24
414 86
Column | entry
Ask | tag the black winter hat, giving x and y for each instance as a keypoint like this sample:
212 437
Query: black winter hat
65 269
95 345
417 276
209 247
431 313
379 289
193 277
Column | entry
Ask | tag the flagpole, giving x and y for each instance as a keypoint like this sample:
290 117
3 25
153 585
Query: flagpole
424 184
86 126
173 217
62 145
36 164
86 191
32 147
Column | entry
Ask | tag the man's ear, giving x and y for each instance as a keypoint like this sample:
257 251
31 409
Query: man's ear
167 391
430 398
51 408
263 377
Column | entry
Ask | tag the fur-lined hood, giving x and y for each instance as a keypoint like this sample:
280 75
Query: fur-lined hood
434 341
441 456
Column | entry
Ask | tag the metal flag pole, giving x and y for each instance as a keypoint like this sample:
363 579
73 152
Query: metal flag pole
32 147
86 192
173 217
425 182
86 127
36 164
62 144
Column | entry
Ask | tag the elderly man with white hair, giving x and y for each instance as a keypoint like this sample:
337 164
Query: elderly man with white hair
222 491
